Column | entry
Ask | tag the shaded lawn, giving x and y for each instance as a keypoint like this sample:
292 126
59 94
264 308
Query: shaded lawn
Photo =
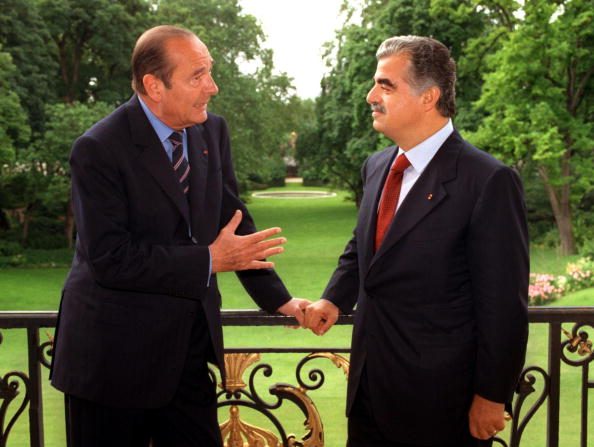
317 231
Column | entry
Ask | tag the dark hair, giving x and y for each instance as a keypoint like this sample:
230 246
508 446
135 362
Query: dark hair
430 65
150 56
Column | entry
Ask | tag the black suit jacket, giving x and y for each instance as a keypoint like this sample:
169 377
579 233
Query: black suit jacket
141 266
442 305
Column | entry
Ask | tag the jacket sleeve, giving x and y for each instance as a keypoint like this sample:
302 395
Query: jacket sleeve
343 287
117 259
263 285
497 248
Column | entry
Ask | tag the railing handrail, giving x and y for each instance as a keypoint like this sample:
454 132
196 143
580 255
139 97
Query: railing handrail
562 344
14 319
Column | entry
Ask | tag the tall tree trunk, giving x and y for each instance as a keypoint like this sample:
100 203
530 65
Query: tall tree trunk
26 221
69 223
559 199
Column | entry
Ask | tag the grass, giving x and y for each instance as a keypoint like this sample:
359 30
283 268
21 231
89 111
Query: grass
547 260
317 231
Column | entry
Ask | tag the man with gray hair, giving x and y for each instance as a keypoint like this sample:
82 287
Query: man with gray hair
158 215
437 266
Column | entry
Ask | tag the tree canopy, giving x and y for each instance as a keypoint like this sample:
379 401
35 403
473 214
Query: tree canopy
524 93
74 68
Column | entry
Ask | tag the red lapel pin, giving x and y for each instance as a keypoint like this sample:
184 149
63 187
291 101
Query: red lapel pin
429 196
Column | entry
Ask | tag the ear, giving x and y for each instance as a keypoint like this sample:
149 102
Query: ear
153 86
430 97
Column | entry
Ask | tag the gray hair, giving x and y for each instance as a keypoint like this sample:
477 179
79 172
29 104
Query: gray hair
150 56
430 65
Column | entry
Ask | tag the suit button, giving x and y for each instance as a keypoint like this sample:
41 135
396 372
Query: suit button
194 240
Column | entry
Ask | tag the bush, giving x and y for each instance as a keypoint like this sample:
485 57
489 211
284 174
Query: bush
580 274
314 182
550 239
49 258
544 288
587 249
46 233
12 261
10 248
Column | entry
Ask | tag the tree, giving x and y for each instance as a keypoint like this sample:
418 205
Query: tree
256 106
92 41
346 136
14 134
14 129
24 35
538 101
65 123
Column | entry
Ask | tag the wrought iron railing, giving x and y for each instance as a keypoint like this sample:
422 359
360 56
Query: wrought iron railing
542 383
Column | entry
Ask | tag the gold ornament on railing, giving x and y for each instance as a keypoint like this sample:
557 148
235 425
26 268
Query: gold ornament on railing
235 430
338 360
238 433
579 343
235 366
313 421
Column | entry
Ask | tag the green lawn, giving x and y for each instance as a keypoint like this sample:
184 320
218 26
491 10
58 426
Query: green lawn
317 231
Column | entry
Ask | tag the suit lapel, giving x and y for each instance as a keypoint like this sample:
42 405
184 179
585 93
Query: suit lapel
198 159
154 158
425 195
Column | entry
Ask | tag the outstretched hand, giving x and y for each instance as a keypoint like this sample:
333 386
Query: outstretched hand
321 316
231 252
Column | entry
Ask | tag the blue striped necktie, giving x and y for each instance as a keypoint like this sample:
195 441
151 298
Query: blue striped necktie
180 164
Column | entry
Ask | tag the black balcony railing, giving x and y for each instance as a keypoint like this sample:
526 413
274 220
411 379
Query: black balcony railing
21 391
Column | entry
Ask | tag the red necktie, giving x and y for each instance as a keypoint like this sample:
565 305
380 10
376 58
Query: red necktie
390 196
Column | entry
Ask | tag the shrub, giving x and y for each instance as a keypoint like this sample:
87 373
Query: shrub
10 248
580 274
46 233
12 261
544 288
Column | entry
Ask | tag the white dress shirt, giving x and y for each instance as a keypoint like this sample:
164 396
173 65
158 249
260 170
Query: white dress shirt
420 156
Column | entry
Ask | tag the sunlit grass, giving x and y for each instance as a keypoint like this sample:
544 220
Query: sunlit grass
317 231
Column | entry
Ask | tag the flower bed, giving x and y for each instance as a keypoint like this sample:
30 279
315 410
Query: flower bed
545 288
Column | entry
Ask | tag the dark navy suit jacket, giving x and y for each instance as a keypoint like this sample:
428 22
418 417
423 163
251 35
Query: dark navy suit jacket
442 305
138 280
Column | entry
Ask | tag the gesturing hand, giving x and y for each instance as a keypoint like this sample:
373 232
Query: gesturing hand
321 316
231 252
486 418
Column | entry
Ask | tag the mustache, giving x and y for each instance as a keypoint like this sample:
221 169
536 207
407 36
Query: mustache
375 107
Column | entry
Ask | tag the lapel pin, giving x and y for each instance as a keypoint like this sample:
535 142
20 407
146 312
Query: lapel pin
429 196
205 152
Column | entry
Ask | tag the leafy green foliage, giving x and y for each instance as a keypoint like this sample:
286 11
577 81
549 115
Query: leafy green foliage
24 35
91 41
345 134
14 128
65 123
538 103
258 107
73 69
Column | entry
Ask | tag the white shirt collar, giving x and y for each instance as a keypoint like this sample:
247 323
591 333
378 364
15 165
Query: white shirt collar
421 154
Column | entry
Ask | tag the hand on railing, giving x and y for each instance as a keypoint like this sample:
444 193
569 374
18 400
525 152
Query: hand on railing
321 316
295 308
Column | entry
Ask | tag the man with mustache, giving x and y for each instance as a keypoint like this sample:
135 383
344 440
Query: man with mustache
158 215
437 266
